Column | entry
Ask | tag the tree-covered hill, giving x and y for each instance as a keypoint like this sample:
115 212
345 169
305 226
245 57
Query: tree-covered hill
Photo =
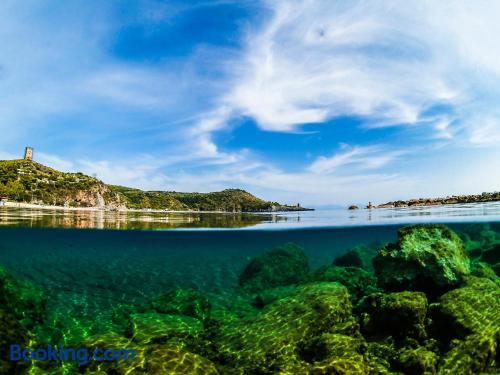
31 182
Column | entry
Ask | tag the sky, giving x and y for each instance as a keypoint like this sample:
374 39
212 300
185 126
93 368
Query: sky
317 102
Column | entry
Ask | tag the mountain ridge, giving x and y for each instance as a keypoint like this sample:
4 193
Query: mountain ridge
31 182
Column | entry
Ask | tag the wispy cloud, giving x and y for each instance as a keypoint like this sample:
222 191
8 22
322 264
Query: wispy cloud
357 158
388 62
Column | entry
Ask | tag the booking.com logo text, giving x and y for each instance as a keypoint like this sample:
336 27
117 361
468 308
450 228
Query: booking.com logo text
59 353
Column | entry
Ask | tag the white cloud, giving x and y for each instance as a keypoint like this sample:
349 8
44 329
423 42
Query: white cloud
356 158
485 131
388 62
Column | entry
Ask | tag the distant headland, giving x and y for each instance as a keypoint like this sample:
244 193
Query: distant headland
24 182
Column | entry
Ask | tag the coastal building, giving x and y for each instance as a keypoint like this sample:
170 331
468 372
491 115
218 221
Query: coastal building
28 153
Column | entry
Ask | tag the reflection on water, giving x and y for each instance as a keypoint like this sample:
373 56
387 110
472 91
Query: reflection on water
23 217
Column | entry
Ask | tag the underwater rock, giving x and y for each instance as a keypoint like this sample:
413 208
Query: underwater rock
161 328
496 268
271 341
469 319
428 258
473 308
180 301
284 265
22 299
268 296
358 281
333 353
474 355
359 256
169 360
491 255
149 359
484 270
11 332
349 259
418 361
400 315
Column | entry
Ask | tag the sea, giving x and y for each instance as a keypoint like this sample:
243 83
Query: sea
170 286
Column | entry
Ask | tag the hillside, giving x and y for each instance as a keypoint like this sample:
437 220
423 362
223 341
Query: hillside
31 182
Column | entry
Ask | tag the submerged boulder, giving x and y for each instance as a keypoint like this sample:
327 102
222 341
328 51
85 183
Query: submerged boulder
428 258
273 341
284 265
180 301
161 328
360 256
492 254
400 315
473 308
334 353
358 281
416 361
469 319
156 359
349 259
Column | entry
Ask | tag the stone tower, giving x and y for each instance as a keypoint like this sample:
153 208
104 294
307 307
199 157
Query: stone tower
28 153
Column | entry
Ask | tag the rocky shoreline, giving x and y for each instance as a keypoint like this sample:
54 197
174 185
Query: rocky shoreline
144 210
454 199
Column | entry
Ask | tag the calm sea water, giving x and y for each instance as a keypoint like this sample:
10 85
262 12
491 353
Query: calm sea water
89 274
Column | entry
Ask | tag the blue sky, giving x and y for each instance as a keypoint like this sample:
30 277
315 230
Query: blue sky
318 102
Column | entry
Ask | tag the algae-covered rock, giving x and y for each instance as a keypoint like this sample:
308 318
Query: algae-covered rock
417 361
350 258
469 317
169 360
474 355
358 281
484 270
160 328
399 314
271 341
179 301
360 256
11 332
268 296
474 308
428 258
492 254
148 359
284 265
24 300
333 353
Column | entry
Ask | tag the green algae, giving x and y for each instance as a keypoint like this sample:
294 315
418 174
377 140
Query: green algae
400 315
180 301
11 331
469 319
22 298
271 341
273 321
358 281
429 258
160 328
281 266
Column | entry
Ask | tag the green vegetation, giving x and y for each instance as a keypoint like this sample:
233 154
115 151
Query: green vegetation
319 322
31 182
